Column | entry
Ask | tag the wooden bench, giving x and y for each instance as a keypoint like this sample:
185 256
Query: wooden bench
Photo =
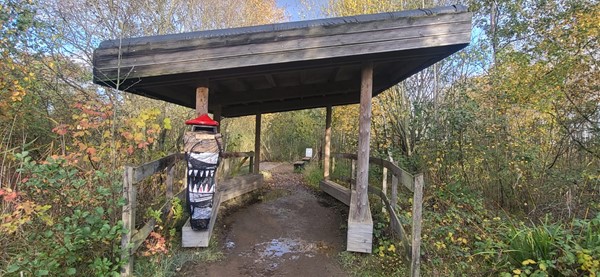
299 165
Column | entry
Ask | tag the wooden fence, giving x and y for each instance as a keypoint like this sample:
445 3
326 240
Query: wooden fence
413 183
132 239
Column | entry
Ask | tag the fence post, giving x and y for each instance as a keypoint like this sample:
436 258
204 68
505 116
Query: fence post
384 184
394 199
170 173
251 164
415 265
353 173
128 218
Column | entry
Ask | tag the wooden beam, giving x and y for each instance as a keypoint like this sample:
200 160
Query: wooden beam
257 144
143 171
272 94
336 191
191 238
237 186
202 98
271 80
327 147
364 135
360 230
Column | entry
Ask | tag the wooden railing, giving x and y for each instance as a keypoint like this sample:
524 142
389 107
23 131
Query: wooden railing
132 239
413 183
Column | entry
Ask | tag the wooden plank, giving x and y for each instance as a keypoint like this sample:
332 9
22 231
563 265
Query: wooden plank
141 172
257 144
260 34
364 136
360 230
174 53
327 156
191 238
336 191
128 217
238 186
244 59
415 265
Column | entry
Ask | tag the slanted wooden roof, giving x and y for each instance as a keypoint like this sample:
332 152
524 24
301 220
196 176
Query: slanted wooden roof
287 66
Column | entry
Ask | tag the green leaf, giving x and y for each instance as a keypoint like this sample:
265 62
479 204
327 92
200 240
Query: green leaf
12 268
71 271
42 272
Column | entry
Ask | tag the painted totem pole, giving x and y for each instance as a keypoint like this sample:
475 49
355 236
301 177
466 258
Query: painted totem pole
202 146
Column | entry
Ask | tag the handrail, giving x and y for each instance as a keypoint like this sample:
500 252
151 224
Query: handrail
405 177
415 184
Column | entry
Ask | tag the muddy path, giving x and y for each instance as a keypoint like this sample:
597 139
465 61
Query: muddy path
289 231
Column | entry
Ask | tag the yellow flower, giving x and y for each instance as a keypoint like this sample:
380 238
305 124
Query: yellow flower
392 248
517 271
528 262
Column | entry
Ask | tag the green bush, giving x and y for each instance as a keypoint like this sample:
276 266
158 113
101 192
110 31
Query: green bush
313 174
77 231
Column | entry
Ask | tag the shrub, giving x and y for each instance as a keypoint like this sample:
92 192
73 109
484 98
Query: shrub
74 229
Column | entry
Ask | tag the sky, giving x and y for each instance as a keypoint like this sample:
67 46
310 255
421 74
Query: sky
297 11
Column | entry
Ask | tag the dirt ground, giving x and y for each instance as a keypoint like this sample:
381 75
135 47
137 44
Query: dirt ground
290 231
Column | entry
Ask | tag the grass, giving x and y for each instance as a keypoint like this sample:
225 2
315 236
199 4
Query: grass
165 265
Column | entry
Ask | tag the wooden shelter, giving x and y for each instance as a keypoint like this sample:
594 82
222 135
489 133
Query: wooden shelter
290 66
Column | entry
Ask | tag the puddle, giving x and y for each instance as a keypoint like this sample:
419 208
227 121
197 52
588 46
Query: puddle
229 245
280 247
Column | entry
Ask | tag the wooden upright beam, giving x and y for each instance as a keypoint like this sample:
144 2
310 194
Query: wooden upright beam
360 223
327 154
202 98
257 144
364 135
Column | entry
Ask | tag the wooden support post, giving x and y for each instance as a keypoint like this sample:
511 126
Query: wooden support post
360 223
415 265
202 98
251 165
128 218
327 155
257 144
364 135
394 198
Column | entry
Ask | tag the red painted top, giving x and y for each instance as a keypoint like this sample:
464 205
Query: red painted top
202 120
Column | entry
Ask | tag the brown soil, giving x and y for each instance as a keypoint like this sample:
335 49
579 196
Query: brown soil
291 231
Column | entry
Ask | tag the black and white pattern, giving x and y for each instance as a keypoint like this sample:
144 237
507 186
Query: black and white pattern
201 187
